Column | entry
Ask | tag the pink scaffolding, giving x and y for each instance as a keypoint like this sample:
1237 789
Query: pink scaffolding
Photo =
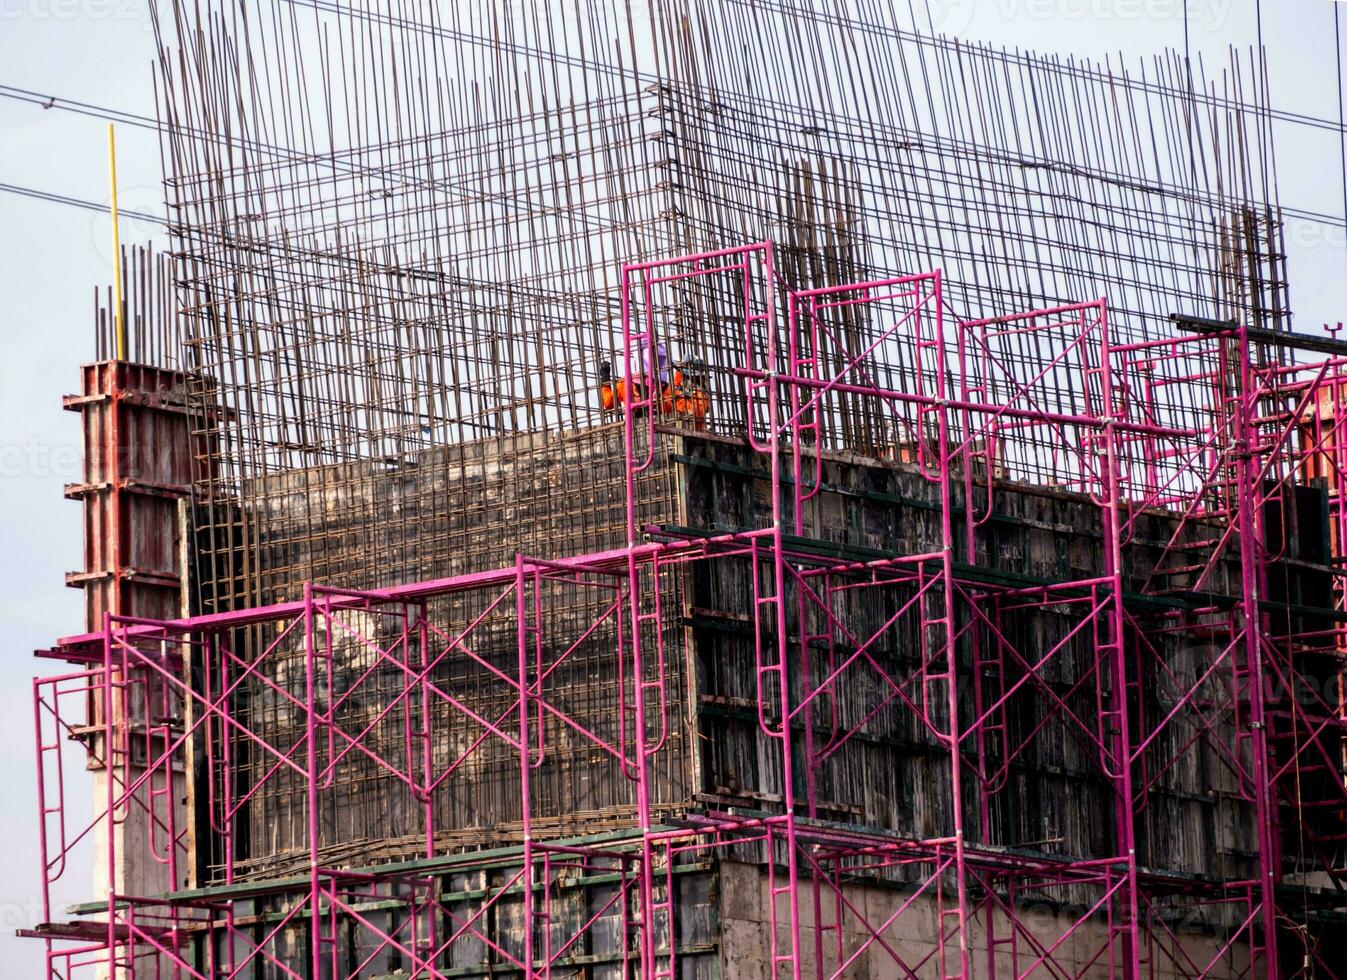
1212 428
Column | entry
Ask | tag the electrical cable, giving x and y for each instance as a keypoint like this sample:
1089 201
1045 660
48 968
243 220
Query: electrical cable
76 202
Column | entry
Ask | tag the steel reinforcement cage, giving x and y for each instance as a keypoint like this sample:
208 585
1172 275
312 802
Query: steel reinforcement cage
1217 427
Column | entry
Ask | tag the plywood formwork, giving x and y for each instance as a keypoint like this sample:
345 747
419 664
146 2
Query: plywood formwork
137 477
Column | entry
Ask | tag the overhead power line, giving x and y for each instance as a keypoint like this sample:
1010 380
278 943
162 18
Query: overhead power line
47 101
44 101
76 202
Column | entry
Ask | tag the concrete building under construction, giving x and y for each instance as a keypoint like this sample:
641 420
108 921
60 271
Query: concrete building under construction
700 490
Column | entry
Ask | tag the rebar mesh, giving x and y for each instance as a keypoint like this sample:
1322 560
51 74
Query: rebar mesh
399 228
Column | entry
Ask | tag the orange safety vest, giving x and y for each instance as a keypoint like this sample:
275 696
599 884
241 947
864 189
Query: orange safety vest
613 395
685 401
675 399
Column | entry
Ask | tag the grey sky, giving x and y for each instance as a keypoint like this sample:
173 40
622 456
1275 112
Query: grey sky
51 257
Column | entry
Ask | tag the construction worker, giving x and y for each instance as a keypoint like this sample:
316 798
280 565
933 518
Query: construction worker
680 396
614 394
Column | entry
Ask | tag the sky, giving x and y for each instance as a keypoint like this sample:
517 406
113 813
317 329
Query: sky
52 256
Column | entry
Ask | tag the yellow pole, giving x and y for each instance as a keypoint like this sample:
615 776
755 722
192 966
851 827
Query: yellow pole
119 323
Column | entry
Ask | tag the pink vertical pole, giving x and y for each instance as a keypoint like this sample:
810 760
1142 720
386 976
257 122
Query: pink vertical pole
1248 472
645 928
645 941
628 427
978 640
947 461
802 353
802 357
793 368
807 749
778 600
224 805
525 803
427 752
311 763
42 810
1114 646
109 709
